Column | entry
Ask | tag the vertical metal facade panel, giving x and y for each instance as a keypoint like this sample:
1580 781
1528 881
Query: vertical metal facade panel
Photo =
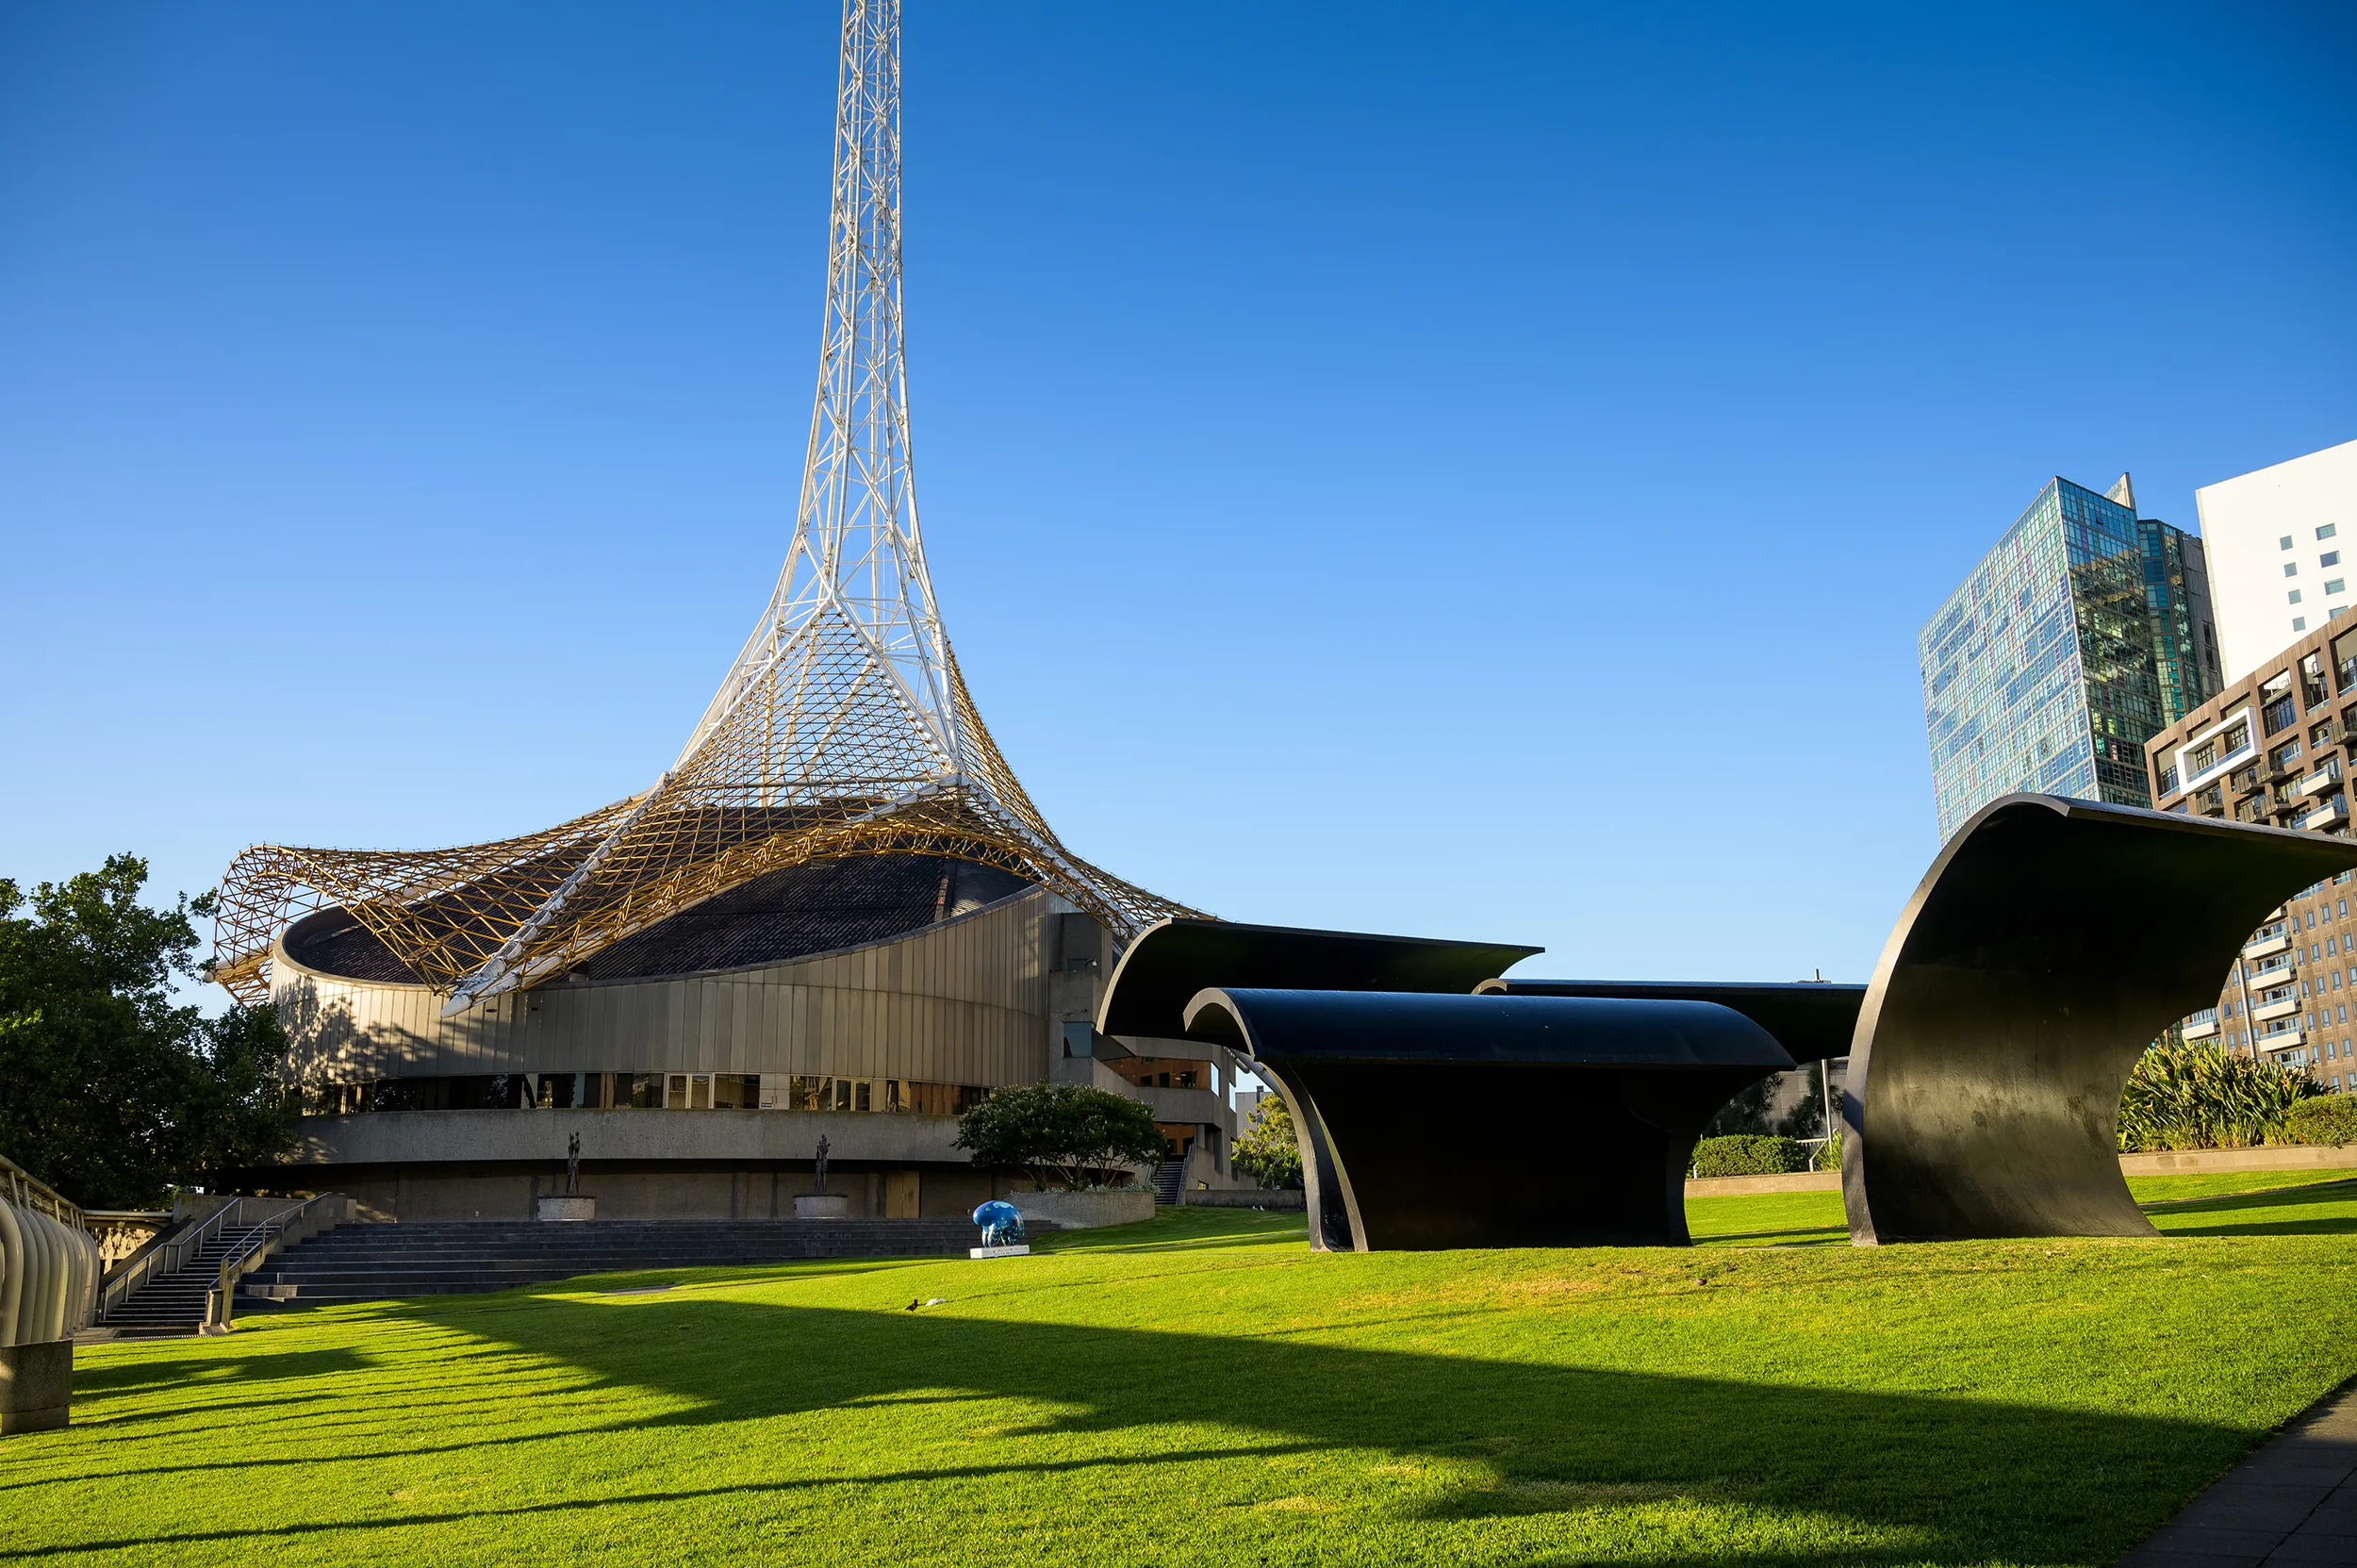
962 1002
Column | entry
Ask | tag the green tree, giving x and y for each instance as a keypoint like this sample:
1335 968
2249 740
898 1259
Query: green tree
112 1091
1267 1150
1063 1134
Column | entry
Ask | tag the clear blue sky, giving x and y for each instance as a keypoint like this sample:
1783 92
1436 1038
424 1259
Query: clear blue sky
1462 470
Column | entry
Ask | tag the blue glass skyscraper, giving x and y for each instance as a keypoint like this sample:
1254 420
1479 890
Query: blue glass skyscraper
2082 635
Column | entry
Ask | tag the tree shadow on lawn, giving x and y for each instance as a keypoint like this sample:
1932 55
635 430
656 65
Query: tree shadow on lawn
177 1372
1935 1480
2252 1212
1946 1480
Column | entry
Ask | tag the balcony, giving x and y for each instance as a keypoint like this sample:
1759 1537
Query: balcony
2318 782
2282 1007
2283 1038
2332 813
2200 1027
2274 939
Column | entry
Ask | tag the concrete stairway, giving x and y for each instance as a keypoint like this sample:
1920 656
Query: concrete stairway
172 1304
385 1262
1168 1178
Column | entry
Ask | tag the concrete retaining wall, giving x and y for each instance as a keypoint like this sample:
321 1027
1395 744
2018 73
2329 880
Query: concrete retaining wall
1735 1186
1079 1210
2180 1162
1247 1197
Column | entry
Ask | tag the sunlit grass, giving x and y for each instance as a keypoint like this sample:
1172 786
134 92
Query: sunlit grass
1203 1389
1804 1219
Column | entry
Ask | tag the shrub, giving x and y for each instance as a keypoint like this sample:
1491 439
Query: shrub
2324 1120
1064 1134
1747 1156
2205 1097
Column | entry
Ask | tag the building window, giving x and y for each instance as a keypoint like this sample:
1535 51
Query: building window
2330 559
2327 530
2299 623
2291 569
2283 543
2293 598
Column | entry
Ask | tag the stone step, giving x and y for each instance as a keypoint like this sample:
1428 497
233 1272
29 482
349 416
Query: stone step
389 1262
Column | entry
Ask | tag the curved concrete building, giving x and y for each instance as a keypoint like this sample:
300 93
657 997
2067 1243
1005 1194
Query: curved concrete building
864 1000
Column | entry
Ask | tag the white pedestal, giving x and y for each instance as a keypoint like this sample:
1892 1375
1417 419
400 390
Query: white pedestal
823 1206
565 1206
1018 1250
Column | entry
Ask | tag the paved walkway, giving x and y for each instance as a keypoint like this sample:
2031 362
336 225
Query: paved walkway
2293 1501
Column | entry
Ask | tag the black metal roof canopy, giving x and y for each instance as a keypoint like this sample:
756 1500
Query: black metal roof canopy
1813 1020
1171 959
1431 1120
2048 943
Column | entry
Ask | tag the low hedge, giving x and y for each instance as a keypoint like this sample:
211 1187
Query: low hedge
2325 1119
1748 1156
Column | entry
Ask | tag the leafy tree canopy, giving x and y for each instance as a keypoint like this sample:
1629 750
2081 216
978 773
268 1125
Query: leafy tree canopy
1063 1134
1267 1150
112 1092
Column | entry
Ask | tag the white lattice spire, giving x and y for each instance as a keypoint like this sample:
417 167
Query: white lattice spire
856 568
843 729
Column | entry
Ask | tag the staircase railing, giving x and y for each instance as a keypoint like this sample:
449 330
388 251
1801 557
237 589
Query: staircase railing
175 1254
312 1217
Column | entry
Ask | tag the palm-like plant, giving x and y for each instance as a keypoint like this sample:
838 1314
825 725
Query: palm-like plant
2203 1096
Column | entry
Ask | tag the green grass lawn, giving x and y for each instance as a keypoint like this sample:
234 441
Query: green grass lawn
2176 1203
1203 1389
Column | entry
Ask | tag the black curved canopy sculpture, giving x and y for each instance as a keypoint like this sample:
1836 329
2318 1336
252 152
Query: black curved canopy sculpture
1171 959
1813 1020
1453 1121
1159 972
2048 943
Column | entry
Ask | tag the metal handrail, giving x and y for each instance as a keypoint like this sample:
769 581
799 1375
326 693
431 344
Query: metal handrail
305 1218
174 1255
119 1289
27 1191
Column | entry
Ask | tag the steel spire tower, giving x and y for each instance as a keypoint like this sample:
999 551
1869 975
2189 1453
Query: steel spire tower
844 728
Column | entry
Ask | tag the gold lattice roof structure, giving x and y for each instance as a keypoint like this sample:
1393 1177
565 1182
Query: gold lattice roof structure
844 728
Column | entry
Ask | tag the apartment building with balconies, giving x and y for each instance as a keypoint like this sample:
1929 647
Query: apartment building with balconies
2275 748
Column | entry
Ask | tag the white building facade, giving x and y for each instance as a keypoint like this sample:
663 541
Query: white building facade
2279 543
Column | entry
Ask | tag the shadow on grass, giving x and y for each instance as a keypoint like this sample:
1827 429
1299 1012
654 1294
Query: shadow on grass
2261 1213
132 1375
1938 1481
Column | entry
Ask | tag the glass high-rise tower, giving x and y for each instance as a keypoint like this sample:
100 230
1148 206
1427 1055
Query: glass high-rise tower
2081 636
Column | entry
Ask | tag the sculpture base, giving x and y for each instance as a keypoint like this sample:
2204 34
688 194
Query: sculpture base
565 1206
36 1386
1019 1249
823 1206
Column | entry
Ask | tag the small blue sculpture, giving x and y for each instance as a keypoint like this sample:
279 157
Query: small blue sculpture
1001 1223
